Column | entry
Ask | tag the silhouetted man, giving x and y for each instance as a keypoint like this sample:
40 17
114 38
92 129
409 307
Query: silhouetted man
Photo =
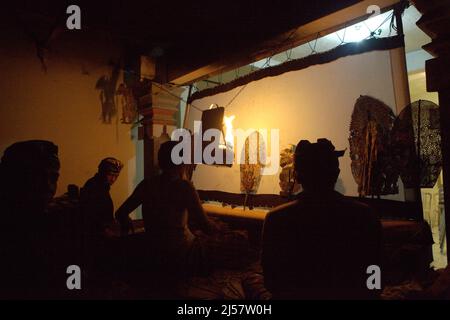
29 172
96 200
319 246
170 206
98 217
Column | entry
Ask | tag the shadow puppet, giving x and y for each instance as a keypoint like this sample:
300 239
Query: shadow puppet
107 86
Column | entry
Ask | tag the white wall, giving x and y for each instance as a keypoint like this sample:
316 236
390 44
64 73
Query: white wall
307 104
415 60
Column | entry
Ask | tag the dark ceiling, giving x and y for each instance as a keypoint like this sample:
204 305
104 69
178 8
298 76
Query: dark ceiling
183 33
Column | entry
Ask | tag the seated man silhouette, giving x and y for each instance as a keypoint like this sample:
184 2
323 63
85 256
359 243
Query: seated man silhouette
31 266
98 223
95 198
320 245
171 205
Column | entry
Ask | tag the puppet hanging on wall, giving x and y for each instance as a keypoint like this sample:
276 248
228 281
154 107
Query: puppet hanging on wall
370 148
251 168
128 104
416 140
288 184
107 86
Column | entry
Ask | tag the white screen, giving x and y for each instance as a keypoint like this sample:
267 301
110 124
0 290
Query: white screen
316 102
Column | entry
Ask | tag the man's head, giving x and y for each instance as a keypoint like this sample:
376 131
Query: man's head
165 159
317 164
30 170
110 168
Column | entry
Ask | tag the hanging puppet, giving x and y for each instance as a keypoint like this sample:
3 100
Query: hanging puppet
250 170
288 185
128 104
372 164
107 86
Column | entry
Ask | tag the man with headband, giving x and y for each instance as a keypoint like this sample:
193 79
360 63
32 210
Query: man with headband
96 201
97 210
320 246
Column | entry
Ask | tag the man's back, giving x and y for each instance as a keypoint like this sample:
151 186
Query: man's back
97 204
320 247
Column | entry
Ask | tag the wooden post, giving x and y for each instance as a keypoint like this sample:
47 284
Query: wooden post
435 22
444 103
188 108
145 107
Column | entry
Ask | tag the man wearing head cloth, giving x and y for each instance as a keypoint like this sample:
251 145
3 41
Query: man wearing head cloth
29 171
96 200
320 246
97 211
